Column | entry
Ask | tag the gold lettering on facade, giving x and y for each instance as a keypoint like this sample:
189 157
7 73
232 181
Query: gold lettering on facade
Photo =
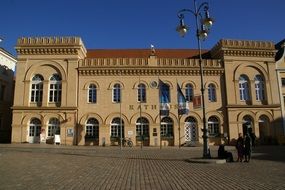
150 107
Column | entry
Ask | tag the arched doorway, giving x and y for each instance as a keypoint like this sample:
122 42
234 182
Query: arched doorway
142 131
264 128
166 131
190 131
117 130
34 130
247 126
92 132
53 129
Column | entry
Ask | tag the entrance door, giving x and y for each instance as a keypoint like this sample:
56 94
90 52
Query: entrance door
190 133
34 134
34 131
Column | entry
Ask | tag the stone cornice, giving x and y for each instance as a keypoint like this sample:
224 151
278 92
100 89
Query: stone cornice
247 53
47 51
272 106
147 71
49 41
243 48
144 62
15 108
142 66
50 46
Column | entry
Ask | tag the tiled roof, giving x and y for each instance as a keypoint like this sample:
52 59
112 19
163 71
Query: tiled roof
142 53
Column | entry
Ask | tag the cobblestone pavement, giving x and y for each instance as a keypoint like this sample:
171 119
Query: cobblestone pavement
26 166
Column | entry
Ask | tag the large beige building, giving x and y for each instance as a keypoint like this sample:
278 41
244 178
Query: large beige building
92 97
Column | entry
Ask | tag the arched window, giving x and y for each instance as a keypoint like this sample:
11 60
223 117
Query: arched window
166 127
141 93
92 93
37 89
55 88
92 128
189 93
212 93
117 126
117 93
213 126
35 127
244 88
142 127
259 88
53 127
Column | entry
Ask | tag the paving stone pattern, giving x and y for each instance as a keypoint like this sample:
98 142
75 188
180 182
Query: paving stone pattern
25 166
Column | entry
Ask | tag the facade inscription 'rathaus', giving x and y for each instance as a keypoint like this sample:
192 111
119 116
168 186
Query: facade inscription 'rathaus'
93 97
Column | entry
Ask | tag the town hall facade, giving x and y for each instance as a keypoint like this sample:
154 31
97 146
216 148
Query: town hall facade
95 96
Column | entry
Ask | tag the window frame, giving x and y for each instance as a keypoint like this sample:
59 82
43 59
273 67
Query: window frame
144 123
189 92
36 90
212 93
117 94
92 93
92 128
244 88
259 88
141 93
55 88
115 129
53 127
213 126
166 128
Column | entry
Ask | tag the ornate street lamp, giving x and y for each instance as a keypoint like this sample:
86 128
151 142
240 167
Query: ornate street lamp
203 25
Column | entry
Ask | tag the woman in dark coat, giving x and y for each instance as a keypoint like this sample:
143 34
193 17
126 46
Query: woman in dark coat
247 148
240 148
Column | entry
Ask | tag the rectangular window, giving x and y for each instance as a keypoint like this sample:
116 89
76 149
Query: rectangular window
55 93
92 131
189 93
141 95
92 98
213 129
142 130
36 93
117 95
115 131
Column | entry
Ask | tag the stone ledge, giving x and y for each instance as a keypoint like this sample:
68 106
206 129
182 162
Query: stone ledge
206 161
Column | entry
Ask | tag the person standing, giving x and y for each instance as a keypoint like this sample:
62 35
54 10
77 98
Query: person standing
247 148
239 147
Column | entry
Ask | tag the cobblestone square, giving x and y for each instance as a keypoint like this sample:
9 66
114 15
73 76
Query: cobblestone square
38 166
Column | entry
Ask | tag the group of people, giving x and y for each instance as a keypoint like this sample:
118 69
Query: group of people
244 147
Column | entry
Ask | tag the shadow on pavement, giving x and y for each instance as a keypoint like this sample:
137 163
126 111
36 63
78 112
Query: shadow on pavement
271 153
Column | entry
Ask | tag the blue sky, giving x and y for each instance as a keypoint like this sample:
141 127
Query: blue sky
125 24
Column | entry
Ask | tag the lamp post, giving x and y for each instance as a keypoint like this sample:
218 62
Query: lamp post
202 30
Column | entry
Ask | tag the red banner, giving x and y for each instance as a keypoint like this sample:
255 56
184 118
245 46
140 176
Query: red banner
197 102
